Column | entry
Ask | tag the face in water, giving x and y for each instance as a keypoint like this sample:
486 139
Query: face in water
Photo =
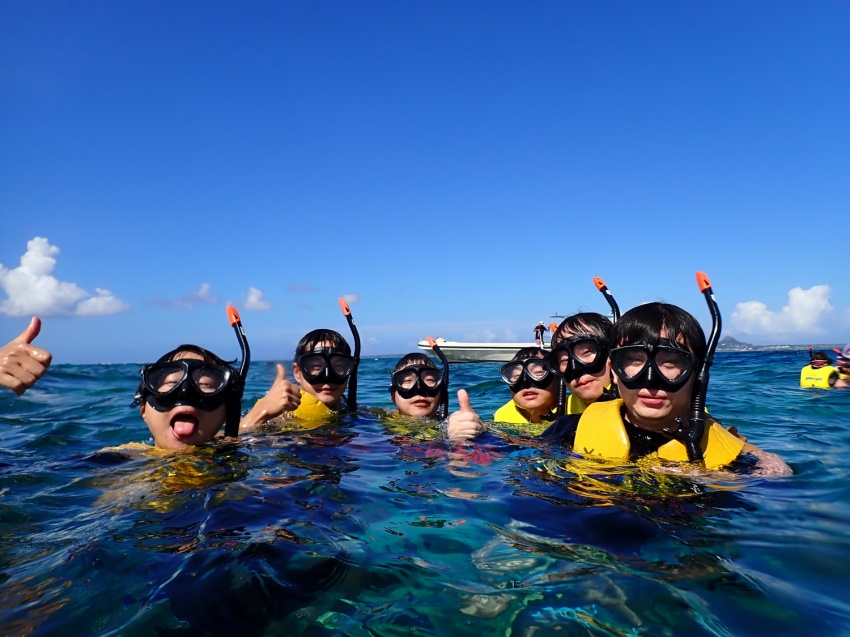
584 362
655 382
323 373
187 407
416 390
532 384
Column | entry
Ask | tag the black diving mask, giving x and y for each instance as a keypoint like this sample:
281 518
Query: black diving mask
417 380
190 382
662 366
578 355
325 366
530 372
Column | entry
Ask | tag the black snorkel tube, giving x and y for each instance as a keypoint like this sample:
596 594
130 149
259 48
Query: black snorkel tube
352 380
615 309
231 426
443 411
695 432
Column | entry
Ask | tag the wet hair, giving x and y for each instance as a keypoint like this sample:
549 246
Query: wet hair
529 352
414 358
233 402
644 323
588 324
313 340
821 356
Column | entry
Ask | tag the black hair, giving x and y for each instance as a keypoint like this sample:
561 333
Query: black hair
822 356
414 358
233 402
311 340
529 352
644 323
588 324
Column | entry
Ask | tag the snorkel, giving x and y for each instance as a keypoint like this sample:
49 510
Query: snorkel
352 380
231 426
692 436
443 411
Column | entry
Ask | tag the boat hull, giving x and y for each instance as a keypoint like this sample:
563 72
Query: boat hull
460 352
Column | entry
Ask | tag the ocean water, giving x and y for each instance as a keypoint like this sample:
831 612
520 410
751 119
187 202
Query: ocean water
361 527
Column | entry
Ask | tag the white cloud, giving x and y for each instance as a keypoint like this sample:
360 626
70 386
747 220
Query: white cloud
255 300
804 313
31 288
351 299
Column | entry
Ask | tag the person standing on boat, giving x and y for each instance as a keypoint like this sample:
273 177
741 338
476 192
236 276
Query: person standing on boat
539 330
21 362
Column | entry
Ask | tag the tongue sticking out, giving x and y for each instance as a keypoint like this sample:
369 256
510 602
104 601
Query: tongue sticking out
184 425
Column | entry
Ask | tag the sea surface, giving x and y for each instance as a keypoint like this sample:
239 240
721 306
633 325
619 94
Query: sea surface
365 526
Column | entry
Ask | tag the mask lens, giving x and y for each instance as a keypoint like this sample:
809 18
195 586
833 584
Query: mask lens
585 350
629 361
430 377
341 365
672 363
209 380
161 379
312 364
405 379
536 368
511 372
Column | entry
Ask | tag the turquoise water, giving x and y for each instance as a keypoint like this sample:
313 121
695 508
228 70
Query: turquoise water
354 529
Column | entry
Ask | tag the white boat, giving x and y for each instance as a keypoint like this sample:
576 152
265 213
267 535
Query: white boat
460 352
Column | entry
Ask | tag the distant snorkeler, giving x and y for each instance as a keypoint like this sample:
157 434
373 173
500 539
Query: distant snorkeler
823 374
190 393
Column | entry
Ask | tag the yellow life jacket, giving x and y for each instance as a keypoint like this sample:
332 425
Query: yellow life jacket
601 432
509 413
811 377
843 376
575 405
311 408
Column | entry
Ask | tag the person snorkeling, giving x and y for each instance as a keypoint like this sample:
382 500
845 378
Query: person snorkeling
843 365
189 393
821 373
417 386
533 386
21 362
579 353
659 360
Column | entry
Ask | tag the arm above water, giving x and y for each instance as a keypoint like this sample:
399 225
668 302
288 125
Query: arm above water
767 463
465 423
21 363
282 396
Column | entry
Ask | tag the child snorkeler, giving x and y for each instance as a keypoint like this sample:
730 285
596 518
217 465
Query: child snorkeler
418 386
322 367
534 389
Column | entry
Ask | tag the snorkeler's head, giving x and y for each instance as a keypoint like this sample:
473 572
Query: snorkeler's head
188 394
323 365
588 324
417 385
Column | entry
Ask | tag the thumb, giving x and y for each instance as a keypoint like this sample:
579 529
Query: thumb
463 400
281 373
29 334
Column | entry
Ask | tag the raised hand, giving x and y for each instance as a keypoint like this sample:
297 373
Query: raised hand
282 396
21 362
465 423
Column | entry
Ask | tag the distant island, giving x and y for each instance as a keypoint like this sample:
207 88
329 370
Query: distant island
730 344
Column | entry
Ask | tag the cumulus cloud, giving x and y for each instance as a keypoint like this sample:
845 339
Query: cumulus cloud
255 300
31 288
351 299
805 311
202 296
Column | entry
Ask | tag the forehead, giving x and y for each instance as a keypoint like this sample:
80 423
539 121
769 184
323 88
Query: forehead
187 356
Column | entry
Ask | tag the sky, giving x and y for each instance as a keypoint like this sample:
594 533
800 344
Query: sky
453 169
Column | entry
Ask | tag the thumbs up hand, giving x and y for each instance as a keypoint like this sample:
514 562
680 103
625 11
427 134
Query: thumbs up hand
21 362
282 396
465 423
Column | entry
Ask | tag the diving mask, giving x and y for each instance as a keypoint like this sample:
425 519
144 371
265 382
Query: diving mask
185 382
579 355
530 372
325 366
662 366
417 380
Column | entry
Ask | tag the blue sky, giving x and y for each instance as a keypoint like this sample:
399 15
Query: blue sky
455 169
